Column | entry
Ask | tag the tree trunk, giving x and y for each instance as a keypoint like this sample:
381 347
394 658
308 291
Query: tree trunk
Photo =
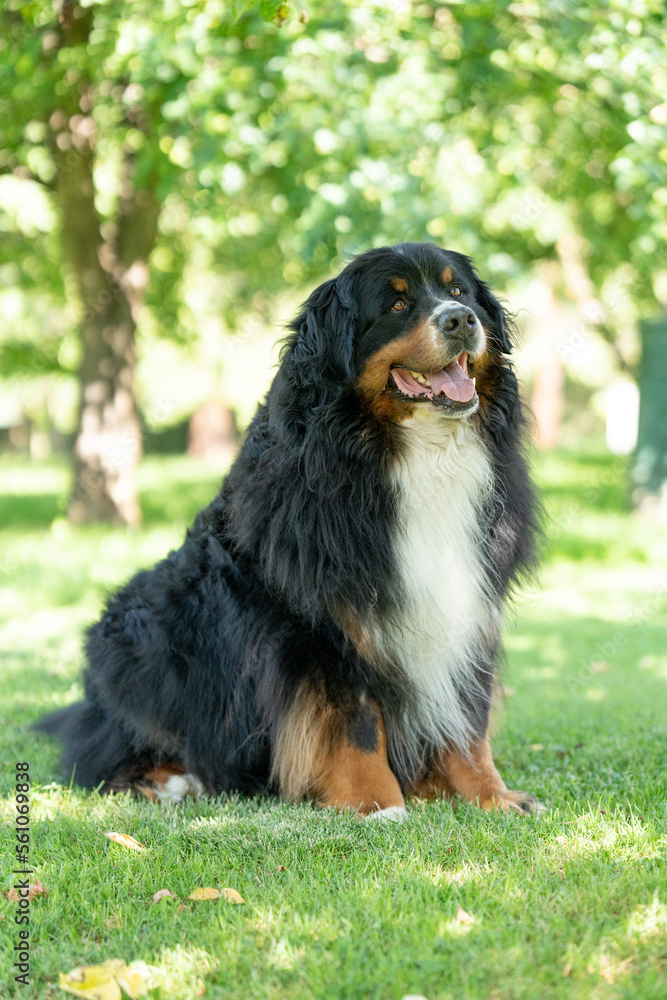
110 277
108 439
649 475
548 389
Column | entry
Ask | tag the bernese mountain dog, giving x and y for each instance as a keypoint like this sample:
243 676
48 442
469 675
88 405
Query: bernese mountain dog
330 628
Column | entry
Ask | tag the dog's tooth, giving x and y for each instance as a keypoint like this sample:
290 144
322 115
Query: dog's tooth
473 382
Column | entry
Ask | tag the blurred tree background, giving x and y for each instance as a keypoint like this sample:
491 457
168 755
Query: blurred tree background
174 175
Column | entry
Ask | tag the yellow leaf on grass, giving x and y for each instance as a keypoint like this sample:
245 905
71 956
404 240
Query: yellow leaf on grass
163 894
205 893
104 982
232 896
135 979
95 982
125 840
464 918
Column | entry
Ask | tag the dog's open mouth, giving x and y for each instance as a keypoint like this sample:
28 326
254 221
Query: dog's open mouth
450 385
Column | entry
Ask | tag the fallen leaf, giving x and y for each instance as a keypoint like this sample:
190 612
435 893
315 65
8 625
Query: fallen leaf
95 982
205 893
232 896
35 889
135 979
182 906
568 969
163 894
536 747
281 868
104 982
125 840
463 917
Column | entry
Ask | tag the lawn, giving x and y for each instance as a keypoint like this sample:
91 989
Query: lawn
451 904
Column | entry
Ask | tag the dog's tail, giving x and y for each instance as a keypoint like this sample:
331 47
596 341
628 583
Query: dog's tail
62 722
95 746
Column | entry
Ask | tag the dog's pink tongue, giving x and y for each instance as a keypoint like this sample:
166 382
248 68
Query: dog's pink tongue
453 382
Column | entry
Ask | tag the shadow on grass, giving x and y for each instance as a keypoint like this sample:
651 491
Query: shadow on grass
31 510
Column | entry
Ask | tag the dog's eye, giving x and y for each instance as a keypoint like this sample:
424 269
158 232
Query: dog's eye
455 290
399 305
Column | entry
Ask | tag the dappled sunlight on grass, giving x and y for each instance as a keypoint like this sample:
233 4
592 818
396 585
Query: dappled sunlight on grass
570 903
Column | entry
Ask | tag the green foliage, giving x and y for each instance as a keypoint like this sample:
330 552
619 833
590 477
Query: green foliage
276 145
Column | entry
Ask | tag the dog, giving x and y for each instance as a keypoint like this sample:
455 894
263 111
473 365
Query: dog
330 628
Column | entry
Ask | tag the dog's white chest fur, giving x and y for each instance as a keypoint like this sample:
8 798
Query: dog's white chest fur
443 477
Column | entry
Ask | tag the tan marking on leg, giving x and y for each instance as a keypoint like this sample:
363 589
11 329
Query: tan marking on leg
360 636
314 758
147 791
164 771
433 785
474 776
356 779
169 782
304 736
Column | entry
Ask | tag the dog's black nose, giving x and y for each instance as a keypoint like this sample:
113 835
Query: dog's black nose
457 320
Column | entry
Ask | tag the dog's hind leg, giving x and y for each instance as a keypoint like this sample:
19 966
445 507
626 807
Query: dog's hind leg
99 753
336 755
169 783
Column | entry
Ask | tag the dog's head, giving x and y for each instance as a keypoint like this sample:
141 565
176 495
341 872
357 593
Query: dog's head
404 326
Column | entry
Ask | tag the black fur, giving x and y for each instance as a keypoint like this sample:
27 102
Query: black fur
196 660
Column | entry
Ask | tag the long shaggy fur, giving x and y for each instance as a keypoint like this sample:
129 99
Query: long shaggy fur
298 562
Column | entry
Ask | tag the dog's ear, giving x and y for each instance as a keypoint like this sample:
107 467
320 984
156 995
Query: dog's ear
501 324
322 345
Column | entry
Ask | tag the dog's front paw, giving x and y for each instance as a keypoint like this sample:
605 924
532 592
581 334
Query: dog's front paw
518 802
394 814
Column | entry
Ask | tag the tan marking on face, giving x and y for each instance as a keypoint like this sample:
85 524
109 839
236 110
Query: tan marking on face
400 284
419 349
314 758
447 274
484 370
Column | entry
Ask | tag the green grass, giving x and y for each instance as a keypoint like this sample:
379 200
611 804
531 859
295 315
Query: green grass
572 905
